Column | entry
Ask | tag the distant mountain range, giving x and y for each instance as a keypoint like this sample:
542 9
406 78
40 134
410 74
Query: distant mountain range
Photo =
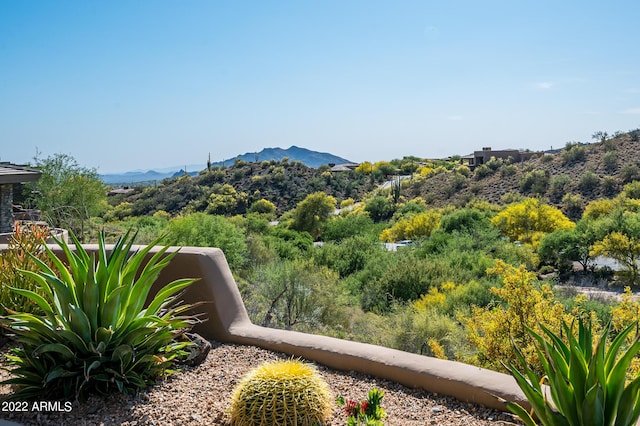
308 157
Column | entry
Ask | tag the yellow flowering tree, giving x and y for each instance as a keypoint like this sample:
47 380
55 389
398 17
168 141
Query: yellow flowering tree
418 226
492 330
529 220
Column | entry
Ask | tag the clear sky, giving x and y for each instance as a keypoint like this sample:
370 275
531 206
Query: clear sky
126 85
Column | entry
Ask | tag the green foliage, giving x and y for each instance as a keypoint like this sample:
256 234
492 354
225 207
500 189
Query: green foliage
340 228
535 182
67 193
25 247
587 383
589 182
349 256
507 170
312 212
558 186
572 153
379 208
263 206
630 173
368 412
572 205
95 334
296 294
610 160
561 247
224 200
203 230
281 393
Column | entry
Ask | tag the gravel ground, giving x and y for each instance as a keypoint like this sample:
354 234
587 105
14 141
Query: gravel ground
200 396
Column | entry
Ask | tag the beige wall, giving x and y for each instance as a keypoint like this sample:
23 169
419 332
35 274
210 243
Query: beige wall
227 321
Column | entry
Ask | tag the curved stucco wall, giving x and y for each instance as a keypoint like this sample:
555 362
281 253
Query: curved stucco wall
228 321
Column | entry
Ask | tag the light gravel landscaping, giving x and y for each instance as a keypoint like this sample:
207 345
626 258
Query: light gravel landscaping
201 395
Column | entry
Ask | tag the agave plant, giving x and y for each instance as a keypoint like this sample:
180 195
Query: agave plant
96 335
587 385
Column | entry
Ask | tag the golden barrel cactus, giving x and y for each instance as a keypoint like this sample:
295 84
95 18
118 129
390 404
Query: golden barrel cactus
281 393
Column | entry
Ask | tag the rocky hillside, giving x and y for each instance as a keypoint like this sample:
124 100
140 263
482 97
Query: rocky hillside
285 183
568 179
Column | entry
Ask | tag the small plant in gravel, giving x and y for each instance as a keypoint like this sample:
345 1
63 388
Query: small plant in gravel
95 334
367 412
281 393
587 384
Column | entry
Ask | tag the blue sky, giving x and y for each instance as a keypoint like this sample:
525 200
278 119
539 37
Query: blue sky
151 84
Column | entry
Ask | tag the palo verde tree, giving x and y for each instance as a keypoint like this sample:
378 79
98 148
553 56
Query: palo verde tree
528 220
67 194
312 212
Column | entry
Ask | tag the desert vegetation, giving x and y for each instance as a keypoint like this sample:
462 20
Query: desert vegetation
479 279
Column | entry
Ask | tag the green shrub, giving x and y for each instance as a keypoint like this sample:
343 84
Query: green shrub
610 160
281 393
573 153
535 182
508 170
23 248
589 182
587 384
95 334
558 186
204 230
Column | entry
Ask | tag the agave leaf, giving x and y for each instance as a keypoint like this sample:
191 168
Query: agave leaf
59 372
60 348
597 363
38 299
91 296
69 336
123 354
616 380
593 407
110 312
612 354
578 375
66 277
629 405
88 367
80 323
531 391
28 324
167 291
77 259
103 335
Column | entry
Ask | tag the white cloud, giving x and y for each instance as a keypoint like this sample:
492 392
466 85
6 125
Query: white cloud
544 85
631 111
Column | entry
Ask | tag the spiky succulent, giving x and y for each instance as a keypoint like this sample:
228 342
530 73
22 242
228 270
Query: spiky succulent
96 335
281 393
587 384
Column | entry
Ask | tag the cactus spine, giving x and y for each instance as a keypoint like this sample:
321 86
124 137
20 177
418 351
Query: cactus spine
281 393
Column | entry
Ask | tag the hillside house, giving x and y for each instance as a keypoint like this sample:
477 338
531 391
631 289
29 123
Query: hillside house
11 174
342 167
481 157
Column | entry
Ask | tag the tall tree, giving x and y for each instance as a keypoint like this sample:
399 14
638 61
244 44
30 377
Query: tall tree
312 212
67 194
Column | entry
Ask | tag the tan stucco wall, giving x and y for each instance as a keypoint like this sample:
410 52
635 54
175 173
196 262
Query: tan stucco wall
228 321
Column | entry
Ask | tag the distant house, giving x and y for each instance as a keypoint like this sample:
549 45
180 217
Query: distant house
11 174
481 157
342 167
